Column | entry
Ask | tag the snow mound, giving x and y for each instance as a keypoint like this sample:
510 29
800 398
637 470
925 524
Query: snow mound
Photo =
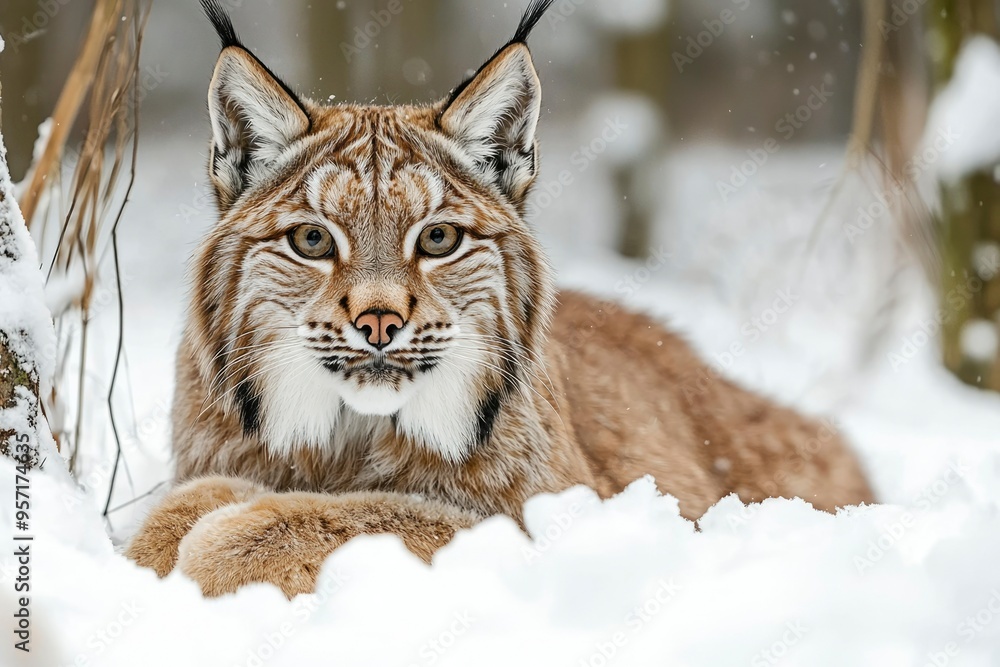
21 289
966 111
626 581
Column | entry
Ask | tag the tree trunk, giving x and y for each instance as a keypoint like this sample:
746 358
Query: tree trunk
642 65
21 69
19 371
970 222
382 51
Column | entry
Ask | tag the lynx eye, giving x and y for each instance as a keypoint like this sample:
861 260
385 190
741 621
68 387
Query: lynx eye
311 241
439 240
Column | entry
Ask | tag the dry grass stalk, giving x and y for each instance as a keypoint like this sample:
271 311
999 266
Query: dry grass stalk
867 85
881 144
68 106
86 210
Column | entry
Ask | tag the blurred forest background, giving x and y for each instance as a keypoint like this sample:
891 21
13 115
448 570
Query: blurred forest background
656 114
339 48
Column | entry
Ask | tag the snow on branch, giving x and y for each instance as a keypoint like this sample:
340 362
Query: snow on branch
27 339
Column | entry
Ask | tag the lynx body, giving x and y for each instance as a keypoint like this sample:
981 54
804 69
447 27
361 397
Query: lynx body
375 344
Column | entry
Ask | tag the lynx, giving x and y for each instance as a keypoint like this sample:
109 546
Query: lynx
374 344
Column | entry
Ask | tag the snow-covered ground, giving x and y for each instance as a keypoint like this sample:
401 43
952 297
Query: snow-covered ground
913 581
623 582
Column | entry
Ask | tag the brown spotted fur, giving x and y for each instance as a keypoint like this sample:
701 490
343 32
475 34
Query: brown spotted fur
567 390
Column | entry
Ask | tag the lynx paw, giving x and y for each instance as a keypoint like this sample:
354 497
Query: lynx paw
283 538
156 543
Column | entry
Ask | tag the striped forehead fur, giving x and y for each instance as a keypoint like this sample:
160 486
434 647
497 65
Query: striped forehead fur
329 186
282 347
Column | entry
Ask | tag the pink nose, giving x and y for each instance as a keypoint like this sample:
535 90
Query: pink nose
379 326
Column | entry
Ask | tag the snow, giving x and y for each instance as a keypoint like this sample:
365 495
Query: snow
968 106
979 340
42 140
24 321
621 128
626 581
21 293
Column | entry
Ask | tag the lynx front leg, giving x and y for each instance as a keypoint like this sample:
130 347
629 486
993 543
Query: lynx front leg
283 538
156 543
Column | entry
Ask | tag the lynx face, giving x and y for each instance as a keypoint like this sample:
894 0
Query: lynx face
370 261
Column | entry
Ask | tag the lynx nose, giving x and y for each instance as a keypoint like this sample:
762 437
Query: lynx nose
379 326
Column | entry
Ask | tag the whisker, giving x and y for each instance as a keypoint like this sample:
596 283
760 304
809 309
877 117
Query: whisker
272 366
518 382
256 346
514 378
242 362
531 356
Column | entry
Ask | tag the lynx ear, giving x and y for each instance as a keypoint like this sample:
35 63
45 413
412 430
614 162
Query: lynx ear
494 117
495 113
254 116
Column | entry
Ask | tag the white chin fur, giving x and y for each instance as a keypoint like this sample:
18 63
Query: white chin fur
443 414
301 404
373 399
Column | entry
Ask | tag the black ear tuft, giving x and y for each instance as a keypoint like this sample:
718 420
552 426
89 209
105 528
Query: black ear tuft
532 15
494 113
255 116
217 14
223 24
